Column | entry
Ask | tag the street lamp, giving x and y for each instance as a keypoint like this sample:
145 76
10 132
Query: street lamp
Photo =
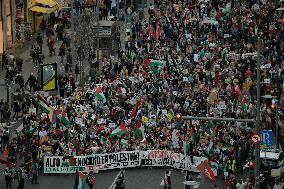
275 107
178 116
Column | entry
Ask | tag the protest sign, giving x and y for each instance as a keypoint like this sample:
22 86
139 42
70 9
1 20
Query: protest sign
125 159
56 164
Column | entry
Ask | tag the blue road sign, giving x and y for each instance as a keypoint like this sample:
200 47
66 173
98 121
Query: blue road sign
265 139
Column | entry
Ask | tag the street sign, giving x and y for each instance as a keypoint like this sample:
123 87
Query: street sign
255 138
266 139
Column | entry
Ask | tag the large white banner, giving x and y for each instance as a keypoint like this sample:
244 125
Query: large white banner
125 159
170 159
56 164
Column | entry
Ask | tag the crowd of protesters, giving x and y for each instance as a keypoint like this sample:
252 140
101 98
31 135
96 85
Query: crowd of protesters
191 58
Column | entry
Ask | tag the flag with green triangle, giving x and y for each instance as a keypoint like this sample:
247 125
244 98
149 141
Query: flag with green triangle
43 104
139 130
100 95
64 119
121 130
80 180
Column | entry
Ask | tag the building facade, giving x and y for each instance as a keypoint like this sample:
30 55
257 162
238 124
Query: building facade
7 18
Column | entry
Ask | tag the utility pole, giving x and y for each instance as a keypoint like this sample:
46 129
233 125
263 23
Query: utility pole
257 145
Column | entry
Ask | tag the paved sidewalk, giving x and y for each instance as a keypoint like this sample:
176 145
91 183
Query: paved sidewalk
28 68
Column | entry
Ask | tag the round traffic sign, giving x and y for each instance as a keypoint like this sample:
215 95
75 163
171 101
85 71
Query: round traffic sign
255 138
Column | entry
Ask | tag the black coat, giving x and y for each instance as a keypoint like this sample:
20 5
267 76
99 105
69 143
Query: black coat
16 107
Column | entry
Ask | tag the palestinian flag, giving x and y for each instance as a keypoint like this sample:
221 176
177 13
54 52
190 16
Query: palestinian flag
186 147
210 169
152 62
155 63
121 130
64 119
124 142
139 130
43 104
68 161
80 181
100 95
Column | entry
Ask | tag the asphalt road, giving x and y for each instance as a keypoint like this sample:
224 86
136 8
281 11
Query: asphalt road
135 178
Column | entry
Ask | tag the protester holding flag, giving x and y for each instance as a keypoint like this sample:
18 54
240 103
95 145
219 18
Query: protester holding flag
80 180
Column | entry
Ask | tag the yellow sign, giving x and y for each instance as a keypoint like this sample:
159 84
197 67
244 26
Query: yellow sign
49 77
31 3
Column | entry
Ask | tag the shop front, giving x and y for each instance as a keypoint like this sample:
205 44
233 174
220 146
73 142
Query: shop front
39 9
